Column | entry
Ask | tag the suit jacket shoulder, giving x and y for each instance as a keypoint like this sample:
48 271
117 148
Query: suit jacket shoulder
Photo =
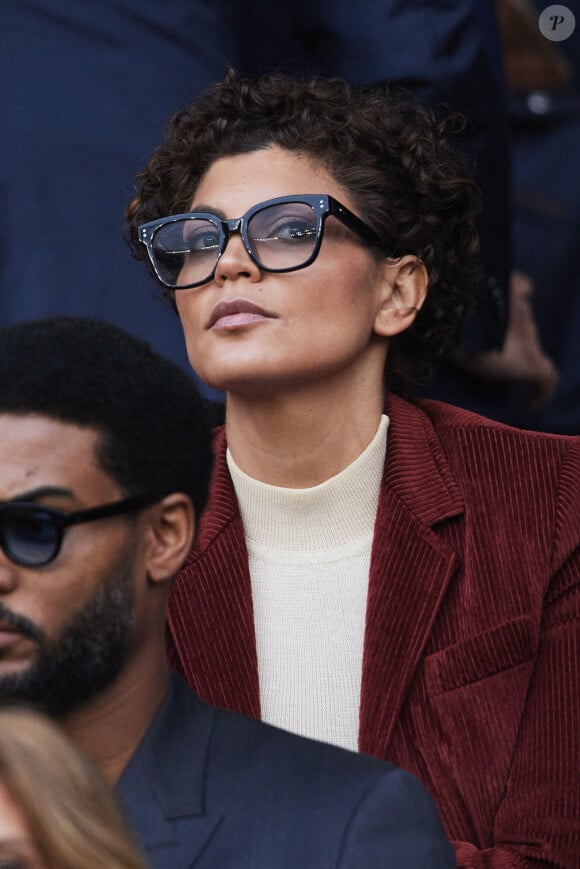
214 789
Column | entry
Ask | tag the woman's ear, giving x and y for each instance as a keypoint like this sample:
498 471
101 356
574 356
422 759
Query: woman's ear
170 536
403 292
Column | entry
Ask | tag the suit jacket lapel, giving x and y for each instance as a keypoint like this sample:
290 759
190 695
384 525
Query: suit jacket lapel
162 788
213 626
410 569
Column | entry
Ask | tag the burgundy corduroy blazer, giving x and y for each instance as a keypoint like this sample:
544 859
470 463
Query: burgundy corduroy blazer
471 669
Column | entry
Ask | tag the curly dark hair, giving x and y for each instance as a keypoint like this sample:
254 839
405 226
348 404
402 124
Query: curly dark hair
392 156
155 430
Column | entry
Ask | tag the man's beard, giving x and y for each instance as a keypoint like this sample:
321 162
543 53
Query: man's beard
90 652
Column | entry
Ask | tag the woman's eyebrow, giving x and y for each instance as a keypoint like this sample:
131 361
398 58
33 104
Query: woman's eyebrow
210 210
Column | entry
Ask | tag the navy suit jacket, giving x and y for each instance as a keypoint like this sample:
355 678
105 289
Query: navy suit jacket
209 788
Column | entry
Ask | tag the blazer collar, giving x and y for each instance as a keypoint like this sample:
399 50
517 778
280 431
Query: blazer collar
222 507
416 470
162 787
210 613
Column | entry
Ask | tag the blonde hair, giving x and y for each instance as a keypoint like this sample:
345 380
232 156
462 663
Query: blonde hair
71 812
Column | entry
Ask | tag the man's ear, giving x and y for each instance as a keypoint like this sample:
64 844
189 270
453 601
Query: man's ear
403 292
170 536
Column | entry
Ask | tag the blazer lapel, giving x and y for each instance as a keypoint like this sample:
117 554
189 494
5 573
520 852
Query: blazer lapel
213 626
167 843
410 569
162 788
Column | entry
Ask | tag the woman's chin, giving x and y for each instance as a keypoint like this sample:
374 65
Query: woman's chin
256 385
233 376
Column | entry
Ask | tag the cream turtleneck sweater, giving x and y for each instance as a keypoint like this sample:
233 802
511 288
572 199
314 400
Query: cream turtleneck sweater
309 552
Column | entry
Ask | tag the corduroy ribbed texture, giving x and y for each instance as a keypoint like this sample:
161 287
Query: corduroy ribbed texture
471 669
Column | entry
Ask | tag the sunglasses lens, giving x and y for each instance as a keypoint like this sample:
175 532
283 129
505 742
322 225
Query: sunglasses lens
283 236
29 536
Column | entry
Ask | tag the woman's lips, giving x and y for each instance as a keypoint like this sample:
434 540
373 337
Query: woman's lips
233 313
234 321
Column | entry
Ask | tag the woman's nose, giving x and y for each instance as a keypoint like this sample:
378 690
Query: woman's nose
236 262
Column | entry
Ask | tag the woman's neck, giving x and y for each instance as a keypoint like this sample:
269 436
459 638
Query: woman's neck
301 438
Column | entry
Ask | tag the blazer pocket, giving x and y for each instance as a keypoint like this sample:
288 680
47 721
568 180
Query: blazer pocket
493 651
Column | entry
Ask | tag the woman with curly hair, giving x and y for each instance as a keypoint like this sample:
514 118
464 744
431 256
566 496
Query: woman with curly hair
56 812
390 574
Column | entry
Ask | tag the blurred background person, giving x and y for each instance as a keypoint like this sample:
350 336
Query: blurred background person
544 113
85 89
56 812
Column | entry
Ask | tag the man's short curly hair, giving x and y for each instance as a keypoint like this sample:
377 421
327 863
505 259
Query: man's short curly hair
391 155
155 433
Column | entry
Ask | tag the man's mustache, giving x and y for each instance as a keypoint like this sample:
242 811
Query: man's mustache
22 625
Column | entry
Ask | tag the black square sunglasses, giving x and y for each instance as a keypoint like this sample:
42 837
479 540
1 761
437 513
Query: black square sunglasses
279 235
